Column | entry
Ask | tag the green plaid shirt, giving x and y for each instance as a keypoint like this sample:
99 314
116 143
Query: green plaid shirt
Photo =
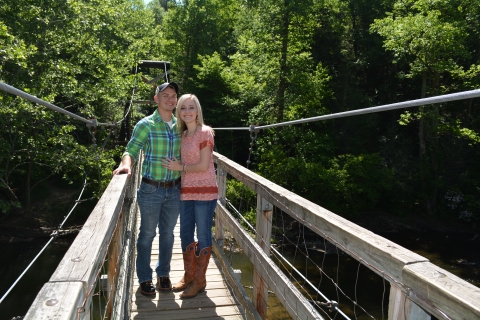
157 140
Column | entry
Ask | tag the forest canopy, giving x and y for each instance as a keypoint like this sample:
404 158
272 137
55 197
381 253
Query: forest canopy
254 62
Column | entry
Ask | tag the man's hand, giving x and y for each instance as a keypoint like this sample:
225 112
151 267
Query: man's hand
125 166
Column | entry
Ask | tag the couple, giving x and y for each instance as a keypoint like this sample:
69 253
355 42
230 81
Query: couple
177 176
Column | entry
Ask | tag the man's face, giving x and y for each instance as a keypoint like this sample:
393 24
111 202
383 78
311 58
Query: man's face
166 100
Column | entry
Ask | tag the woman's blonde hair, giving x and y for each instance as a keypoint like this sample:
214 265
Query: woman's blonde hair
180 123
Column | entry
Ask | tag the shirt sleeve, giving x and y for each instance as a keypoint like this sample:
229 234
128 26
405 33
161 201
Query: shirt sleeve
207 138
138 139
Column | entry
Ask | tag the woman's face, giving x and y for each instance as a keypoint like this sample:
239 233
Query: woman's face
188 111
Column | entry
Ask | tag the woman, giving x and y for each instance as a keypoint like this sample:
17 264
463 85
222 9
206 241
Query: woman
198 195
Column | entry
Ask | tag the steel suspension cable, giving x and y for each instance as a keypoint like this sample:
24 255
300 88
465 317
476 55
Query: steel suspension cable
253 136
131 98
7 88
52 237
332 303
76 203
166 72
393 106
26 269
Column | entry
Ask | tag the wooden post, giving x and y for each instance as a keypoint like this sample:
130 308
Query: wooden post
222 190
287 293
114 251
400 307
129 212
264 232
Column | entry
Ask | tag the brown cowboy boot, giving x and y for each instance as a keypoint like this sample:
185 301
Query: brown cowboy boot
188 266
199 281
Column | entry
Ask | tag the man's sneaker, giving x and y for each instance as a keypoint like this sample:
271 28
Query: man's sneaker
164 284
146 288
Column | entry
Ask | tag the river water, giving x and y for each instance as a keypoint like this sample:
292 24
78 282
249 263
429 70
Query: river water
455 252
14 258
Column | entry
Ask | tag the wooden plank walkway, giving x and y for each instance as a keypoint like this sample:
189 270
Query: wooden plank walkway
216 302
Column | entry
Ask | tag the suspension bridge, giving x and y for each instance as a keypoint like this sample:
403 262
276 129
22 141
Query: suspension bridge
101 260
96 277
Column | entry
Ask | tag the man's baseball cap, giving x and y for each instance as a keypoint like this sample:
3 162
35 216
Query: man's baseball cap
166 85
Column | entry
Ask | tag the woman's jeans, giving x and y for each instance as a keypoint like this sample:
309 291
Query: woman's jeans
196 213
158 207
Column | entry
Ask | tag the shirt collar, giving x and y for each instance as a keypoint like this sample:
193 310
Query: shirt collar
157 118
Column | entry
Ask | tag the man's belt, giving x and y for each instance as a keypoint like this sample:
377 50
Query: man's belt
163 184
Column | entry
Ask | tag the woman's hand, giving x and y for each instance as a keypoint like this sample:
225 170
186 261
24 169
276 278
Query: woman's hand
172 164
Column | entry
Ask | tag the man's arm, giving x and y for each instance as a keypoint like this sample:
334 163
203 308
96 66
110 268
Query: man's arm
139 136
125 165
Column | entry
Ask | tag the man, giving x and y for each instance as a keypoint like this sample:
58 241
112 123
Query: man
159 193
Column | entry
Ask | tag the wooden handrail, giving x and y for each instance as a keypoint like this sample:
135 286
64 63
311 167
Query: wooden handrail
435 290
295 303
68 293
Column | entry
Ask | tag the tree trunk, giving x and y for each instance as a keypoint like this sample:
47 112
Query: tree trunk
434 155
428 130
423 152
11 194
282 85
354 28
28 177
421 125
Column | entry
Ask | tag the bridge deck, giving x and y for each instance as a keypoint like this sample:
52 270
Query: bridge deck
215 303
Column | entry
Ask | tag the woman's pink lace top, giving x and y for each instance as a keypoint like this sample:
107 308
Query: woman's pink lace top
198 185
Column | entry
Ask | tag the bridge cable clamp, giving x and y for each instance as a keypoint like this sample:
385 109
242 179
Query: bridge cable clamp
253 133
93 123
333 305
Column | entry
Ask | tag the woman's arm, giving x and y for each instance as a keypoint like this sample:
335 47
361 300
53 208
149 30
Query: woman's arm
201 166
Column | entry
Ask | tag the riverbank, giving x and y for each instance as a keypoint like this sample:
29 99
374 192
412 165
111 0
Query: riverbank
18 227
49 209
21 228
383 223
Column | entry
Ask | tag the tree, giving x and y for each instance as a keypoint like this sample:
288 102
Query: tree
201 27
76 55
299 157
164 3
431 37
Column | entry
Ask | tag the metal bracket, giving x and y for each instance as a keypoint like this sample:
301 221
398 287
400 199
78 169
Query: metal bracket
253 128
93 123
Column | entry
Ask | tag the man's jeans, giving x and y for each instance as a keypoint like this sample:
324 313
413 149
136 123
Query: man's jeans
158 207
199 213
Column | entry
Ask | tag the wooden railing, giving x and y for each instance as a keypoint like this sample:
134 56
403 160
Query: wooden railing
104 243
418 288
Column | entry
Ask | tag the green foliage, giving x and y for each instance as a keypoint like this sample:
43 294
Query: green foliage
244 199
221 90
433 38
276 48
455 128
14 51
76 55
255 62
423 36
346 185
184 44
